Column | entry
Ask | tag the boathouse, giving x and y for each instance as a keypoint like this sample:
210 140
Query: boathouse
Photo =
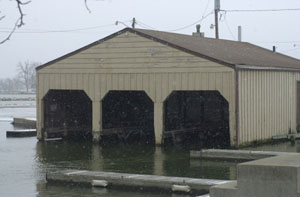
159 85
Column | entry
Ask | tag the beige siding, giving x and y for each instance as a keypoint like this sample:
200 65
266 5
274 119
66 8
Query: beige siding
130 62
267 104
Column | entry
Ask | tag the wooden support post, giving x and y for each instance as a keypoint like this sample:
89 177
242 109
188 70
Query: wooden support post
158 122
97 121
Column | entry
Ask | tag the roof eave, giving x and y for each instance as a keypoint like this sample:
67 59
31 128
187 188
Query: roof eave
81 49
265 68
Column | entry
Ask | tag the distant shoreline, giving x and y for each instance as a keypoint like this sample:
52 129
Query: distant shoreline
16 106
18 99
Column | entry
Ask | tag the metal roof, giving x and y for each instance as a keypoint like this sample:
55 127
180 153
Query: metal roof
226 52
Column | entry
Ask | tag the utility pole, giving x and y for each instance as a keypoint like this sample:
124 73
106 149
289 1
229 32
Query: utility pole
217 9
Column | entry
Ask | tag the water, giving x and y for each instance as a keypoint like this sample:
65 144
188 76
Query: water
25 161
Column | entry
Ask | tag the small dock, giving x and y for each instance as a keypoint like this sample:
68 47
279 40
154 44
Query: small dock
112 179
292 136
25 122
21 133
243 155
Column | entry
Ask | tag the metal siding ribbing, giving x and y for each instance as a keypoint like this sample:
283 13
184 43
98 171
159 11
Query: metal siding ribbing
158 86
118 64
267 104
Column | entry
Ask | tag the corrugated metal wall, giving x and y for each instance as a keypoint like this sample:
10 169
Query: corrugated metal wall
267 104
131 62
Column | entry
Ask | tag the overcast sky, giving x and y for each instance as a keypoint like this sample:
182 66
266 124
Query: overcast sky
52 26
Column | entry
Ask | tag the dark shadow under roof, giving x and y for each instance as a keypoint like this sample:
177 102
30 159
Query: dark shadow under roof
226 52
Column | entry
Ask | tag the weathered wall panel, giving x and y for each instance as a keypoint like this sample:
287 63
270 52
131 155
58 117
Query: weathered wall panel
267 104
130 62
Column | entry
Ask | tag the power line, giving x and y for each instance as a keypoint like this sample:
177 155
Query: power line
229 29
144 25
277 42
198 21
204 12
59 31
264 10
294 49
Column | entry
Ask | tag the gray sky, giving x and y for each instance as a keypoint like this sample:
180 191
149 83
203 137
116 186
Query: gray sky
51 28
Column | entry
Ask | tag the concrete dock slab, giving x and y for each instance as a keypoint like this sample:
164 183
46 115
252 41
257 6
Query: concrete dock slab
206 195
21 133
286 136
25 122
131 180
270 177
243 155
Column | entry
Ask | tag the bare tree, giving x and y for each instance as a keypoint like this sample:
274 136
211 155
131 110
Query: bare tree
26 73
20 21
10 85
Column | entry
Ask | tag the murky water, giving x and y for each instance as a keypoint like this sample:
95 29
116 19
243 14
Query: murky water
25 161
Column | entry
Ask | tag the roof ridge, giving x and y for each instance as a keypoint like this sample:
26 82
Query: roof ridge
225 52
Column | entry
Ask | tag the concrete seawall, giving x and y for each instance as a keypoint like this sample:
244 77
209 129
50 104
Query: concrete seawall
133 180
276 176
271 174
243 155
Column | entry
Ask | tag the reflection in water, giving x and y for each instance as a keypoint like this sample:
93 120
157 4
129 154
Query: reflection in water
45 190
61 155
135 158
225 169
159 159
24 162
123 158
97 159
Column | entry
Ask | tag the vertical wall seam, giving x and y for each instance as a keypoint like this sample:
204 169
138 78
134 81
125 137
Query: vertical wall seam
237 105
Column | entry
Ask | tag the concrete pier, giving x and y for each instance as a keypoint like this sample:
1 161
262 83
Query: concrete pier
25 122
21 133
245 155
132 180
271 177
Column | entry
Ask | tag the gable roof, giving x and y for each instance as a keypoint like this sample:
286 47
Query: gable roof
226 52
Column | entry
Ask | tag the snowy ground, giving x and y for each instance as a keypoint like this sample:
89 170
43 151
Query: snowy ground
17 100
15 105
